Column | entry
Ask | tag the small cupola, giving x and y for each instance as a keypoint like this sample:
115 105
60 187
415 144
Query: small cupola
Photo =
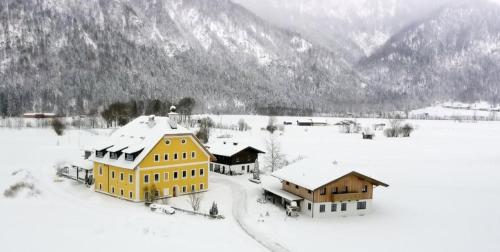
173 117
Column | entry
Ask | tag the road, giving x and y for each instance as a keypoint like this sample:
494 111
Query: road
240 213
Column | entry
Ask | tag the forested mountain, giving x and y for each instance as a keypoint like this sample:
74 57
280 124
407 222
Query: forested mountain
454 53
74 56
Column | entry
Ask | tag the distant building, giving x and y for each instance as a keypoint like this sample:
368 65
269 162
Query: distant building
311 122
39 115
322 189
233 158
150 155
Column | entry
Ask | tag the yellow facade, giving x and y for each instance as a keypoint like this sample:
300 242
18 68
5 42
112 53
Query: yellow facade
174 155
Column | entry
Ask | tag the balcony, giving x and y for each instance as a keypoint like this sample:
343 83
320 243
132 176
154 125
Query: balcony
349 196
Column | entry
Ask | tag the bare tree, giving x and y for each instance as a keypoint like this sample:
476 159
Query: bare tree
58 126
271 124
242 125
195 201
274 159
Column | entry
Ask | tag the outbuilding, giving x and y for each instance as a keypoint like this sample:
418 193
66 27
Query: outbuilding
234 158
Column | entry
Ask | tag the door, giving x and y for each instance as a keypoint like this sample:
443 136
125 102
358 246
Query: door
174 191
165 192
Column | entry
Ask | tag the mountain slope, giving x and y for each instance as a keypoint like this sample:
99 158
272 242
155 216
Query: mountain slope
355 28
452 54
73 55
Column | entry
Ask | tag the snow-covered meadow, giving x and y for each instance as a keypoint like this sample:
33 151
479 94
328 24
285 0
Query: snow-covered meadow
443 195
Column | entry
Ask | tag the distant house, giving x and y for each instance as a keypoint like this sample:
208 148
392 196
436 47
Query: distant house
151 156
378 126
322 189
39 115
233 158
311 122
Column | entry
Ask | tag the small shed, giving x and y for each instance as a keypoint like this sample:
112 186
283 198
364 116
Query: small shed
80 170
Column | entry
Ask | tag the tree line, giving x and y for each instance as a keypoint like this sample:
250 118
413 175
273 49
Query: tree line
120 113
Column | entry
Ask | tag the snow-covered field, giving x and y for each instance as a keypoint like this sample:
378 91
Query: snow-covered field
443 195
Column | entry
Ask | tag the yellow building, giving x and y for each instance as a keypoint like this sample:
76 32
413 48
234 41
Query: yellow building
151 155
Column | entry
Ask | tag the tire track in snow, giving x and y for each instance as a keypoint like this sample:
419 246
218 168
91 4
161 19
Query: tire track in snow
240 210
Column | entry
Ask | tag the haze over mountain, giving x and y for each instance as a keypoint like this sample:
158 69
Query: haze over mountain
70 56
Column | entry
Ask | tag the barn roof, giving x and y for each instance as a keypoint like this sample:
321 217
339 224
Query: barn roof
313 173
229 149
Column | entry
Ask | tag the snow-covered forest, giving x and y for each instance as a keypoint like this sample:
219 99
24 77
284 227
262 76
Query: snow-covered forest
75 57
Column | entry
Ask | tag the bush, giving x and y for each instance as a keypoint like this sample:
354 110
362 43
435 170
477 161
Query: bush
397 129
406 130
58 126
214 211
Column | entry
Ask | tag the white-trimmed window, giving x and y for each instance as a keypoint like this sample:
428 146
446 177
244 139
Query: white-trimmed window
121 192
176 156
201 187
112 174
121 176
130 178
202 172
146 178
165 176
157 158
100 170
343 207
309 206
193 188
176 175
165 156
184 189
130 195
183 141
167 141
184 174
193 173
184 155
157 177
322 208
193 154
361 205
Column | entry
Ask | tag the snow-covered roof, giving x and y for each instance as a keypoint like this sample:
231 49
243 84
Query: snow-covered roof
83 163
140 134
272 184
314 173
229 149
313 120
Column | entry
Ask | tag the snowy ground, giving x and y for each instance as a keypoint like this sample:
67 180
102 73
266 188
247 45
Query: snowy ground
443 196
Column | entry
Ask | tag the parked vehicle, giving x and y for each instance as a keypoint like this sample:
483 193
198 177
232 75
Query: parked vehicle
292 210
166 209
